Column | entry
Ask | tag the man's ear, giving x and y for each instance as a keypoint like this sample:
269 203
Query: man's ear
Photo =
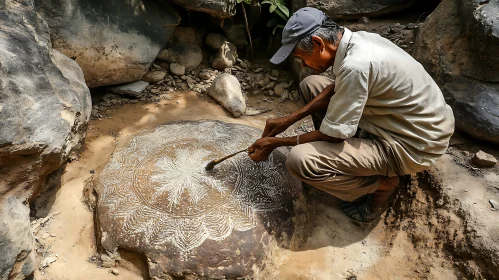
318 42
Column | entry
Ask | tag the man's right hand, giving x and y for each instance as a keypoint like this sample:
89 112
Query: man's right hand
276 126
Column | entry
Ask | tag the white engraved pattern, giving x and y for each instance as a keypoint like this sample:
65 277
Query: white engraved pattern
155 185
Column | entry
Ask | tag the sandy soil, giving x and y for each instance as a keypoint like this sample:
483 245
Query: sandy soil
401 245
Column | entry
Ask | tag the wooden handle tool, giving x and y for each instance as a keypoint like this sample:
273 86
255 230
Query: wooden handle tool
214 162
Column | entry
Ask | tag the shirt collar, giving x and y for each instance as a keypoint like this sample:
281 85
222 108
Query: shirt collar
342 50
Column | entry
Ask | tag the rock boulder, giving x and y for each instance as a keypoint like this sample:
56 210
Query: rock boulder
338 9
460 49
44 109
113 41
216 8
226 90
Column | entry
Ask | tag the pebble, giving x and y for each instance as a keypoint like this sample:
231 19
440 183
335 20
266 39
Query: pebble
258 70
115 272
45 235
204 75
274 73
280 88
495 205
482 159
154 90
53 235
271 92
177 69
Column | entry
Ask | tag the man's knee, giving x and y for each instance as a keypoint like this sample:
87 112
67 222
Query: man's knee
299 161
305 83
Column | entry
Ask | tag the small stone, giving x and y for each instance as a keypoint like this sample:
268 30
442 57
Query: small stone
53 235
271 92
45 235
154 90
494 204
270 85
482 159
107 261
274 73
364 20
226 90
47 261
258 70
280 88
177 69
154 76
412 26
115 272
204 75
262 83
226 57
167 55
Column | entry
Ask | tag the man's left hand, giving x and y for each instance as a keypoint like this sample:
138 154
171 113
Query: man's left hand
261 149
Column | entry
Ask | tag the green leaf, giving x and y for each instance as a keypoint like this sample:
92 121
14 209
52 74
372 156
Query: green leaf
276 27
272 8
266 2
239 1
281 15
283 9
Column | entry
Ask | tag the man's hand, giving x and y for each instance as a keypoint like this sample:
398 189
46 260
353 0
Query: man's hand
261 149
276 126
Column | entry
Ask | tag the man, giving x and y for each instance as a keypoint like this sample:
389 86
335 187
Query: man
382 116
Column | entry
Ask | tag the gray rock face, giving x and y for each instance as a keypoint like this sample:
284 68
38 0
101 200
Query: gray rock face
216 8
44 108
354 9
225 57
453 54
111 47
155 197
476 107
226 90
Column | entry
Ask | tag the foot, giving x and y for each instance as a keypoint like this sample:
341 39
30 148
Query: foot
366 208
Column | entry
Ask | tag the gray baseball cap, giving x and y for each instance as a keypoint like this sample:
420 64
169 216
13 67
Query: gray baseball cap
302 23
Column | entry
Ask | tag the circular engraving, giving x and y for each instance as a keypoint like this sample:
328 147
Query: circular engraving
156 197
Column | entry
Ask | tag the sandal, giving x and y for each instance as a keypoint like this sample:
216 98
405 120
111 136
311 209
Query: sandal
358 210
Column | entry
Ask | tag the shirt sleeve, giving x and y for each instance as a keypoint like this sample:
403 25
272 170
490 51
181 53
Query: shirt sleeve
346 105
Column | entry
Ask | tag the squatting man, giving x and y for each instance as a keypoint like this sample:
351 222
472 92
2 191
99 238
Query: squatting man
381 117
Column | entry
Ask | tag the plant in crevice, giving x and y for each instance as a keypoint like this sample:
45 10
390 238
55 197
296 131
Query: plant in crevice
278 8
246 21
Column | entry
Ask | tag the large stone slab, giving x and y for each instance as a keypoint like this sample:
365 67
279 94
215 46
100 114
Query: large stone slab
113 41
44 109
155 197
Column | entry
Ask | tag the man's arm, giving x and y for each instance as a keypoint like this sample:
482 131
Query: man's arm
320 102
262 148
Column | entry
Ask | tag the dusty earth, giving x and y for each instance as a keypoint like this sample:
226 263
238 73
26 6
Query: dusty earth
421 236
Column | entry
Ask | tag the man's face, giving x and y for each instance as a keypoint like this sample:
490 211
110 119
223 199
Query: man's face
321 57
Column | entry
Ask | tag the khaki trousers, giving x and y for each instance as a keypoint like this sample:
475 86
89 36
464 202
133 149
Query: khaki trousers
347 170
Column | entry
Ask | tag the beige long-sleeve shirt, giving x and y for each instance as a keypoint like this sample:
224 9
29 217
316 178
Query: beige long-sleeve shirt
384 91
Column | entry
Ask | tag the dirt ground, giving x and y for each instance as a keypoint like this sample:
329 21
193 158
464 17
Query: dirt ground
429 232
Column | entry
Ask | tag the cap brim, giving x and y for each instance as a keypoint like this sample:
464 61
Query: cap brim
283 53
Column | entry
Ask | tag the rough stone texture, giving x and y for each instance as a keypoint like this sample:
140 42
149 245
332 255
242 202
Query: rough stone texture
155 197
354 9
225 57
216 8
482 159
188 34
44 108
111 47
153 76
475 105
215 40
187 54
226 90
177 69
448 48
